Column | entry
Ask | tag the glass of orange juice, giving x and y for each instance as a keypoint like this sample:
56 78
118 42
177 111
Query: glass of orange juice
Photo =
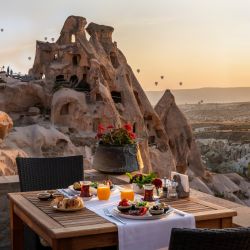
103 192
127 194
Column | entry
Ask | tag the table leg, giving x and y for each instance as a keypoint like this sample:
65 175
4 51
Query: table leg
16 230
62 244
56 245
227 222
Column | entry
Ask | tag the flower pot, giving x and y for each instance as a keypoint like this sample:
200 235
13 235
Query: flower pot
116 159
137 189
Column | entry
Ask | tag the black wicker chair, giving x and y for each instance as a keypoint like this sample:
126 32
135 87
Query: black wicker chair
49 173
46 173
210 239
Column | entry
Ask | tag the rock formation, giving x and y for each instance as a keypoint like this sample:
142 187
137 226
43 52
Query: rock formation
20 96
78 84
224 156
7 154
39 141
109 92
6 124
181 139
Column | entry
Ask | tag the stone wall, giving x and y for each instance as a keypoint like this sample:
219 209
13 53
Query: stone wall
8 184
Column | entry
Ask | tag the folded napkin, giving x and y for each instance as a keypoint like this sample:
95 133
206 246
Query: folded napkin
141 234
184 180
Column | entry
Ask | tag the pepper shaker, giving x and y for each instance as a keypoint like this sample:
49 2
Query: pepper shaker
165 188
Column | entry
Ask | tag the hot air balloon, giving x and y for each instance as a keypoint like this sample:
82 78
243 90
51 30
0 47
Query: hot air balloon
138 70
45 38
52 39
29 58
156 83
162 77
180 83
2 30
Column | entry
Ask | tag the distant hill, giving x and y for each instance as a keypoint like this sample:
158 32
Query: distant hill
208 95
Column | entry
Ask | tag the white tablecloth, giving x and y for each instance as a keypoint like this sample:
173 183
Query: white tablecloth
141 234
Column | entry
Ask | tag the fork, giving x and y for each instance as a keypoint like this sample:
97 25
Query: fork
179 213
107 213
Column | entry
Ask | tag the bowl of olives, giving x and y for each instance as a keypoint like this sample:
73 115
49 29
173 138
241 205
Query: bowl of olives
156 210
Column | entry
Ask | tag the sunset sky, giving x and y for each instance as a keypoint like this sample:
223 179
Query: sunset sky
197 42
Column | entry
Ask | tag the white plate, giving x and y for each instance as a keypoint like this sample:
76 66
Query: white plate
147 216
66 210
87 198
92 190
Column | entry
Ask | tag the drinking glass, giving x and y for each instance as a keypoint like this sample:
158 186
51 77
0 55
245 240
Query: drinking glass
127 194
103 192
85 192
148 192
172 193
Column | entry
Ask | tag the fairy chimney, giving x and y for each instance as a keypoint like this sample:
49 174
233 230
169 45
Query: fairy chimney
94 84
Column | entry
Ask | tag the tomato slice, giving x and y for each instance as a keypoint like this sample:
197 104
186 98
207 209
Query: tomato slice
143 211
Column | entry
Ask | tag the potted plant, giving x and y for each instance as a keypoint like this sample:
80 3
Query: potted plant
117 150
138 180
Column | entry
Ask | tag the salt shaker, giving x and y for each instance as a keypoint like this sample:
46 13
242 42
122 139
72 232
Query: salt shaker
172 193
165 188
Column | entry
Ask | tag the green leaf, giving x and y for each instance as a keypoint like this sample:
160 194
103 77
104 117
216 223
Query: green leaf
129 175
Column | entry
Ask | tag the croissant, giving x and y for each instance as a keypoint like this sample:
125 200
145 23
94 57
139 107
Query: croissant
69 203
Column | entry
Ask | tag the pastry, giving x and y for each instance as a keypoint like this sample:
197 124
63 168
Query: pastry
68 203
77 186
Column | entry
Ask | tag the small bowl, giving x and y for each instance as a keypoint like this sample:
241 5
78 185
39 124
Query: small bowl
43 196
57 194
156 212
51 192
166 208
124 208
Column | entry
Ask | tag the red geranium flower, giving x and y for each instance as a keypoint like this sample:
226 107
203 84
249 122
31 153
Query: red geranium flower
99 135
101 128
128 127
132 135
110 126
157 182
139 176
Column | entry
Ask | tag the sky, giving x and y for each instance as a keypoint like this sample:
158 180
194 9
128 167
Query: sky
201 43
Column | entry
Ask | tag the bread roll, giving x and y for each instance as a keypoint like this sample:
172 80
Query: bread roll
68 203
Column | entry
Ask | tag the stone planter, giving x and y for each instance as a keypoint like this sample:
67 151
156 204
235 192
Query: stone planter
116 159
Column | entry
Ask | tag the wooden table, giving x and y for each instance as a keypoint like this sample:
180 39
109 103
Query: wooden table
85 229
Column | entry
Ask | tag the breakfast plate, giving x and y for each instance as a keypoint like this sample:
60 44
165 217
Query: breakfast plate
91 189
146 216
73 193
67 204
